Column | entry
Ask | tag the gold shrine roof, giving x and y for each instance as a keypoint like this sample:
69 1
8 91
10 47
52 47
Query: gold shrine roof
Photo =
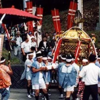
75 33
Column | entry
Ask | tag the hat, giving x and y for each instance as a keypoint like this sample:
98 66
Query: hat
73 57
49 57
50 53
63 57
68 58
30 53
2 60
39 54
84 60
92 58
44 58
32 37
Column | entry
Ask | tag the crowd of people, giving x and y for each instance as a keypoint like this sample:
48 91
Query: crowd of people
40 69
69 76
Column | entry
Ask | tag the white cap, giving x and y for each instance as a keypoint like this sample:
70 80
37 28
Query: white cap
49 57
39 54
68 60
44 58
32 37
30 54
84 60
63 58
2 61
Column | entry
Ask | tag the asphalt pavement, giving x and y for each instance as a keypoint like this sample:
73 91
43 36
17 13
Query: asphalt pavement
21 94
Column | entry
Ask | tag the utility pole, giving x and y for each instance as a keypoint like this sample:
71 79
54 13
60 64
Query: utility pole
98 24
80 8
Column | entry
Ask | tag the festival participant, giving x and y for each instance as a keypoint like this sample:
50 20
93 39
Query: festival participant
81 83
46 73
7 38
69 75
74 94
62 62
5 77
33 43
17 46
44 46
28 65
54 72
91 72
25 47
98 64
49 58
29 35
33 52
38 81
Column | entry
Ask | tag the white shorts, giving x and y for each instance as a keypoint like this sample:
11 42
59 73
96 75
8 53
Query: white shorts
28 76
41 85
69 88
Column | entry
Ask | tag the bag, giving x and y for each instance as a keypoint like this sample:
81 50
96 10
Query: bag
4 82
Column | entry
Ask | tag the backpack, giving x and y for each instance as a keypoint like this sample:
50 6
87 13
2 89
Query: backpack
4 82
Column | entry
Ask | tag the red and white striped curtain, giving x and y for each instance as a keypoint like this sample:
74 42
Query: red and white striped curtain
56 20
30 10
71 14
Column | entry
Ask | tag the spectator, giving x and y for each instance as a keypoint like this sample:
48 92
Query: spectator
17 46
25 47
33 42
91 72
28 65
44 46
6 71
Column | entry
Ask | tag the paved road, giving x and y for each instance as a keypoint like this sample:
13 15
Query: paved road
20 94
